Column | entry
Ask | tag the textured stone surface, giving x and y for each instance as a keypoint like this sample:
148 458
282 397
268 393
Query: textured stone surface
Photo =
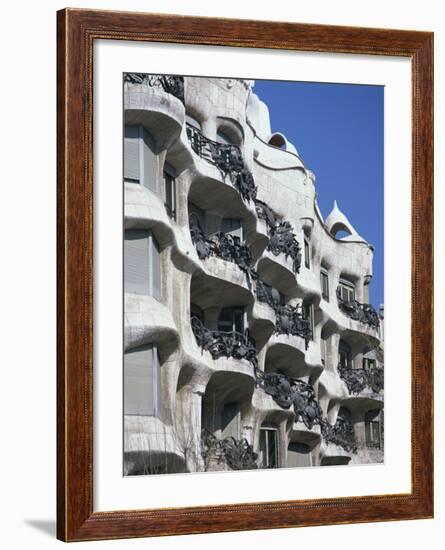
191 379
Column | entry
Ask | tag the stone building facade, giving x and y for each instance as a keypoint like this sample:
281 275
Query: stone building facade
248 338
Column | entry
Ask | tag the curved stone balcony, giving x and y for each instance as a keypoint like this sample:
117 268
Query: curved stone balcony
228 161
277 272
333 455
293 395
224 344
363 313
209 352
224 246
364 381
148 321
300 433
145 210
230 453
282 249
159 112
341 434
150 446
287 353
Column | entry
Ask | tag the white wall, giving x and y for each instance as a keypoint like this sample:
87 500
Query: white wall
28 281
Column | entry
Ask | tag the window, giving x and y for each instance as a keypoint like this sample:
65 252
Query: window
140 160
230 421
368 364
344 355
307 252
298 454
142 266
308 314
142 384
324 281
346 291
231 319
232 226
170 192
373 431
268 451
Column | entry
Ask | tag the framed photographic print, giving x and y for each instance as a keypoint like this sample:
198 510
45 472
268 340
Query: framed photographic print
244 275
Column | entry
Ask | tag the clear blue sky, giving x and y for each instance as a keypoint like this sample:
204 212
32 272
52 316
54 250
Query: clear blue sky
338 131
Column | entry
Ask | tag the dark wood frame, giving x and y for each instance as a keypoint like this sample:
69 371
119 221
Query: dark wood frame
77 30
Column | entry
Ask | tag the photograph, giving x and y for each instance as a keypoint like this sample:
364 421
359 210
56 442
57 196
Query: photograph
253 274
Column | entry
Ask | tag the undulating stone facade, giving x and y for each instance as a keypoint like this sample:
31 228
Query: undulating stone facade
248 339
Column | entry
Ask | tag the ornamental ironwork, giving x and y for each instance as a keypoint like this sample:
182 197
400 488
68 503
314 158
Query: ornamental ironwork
225 344
341 433
291 392
237 454
227 158
173 85
281 235
365 313
225 246
358 379
288 319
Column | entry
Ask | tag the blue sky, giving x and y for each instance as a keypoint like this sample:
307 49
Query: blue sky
338 132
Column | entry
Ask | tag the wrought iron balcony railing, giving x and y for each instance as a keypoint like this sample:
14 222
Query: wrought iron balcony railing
291 392
341 433
227 158
222 245
365 313
359 379
281 235
225 344
288 319
237 454
173 85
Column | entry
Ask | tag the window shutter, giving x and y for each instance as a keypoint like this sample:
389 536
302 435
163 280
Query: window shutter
150 161
139 365
136 262
155 269
131 153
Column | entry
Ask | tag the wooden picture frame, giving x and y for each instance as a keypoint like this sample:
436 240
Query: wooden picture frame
77 31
